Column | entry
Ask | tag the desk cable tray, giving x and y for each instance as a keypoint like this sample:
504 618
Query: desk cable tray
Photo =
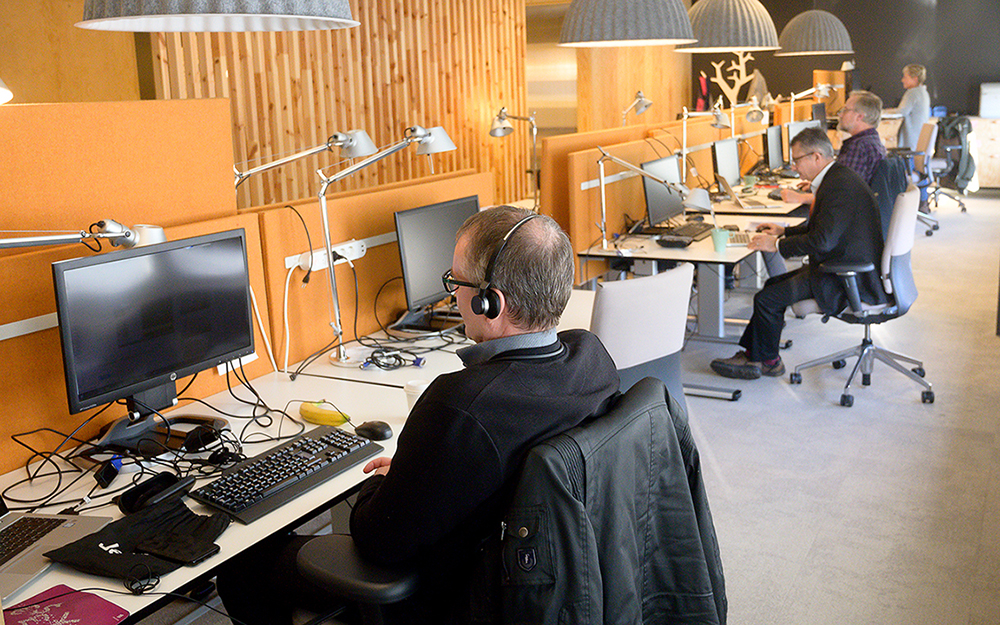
267 481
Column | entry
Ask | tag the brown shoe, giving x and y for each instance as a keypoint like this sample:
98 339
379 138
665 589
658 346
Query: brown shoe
774 371
739 367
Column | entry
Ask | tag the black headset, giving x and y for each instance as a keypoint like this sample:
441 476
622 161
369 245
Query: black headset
487 301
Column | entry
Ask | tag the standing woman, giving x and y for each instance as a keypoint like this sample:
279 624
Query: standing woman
915 107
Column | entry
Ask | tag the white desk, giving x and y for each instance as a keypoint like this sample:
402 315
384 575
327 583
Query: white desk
361 401
729 207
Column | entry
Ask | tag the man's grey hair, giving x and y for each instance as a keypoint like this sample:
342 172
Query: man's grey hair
813 139
534 272
869 105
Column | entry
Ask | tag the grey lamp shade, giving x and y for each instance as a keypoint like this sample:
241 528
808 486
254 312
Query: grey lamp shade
814 32
607 23
358 144
437 141
6 95
731 26
216 15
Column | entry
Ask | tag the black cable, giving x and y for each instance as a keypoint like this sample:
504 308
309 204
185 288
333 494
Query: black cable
305 279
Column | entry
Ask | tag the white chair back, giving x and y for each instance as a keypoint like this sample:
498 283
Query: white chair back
643 319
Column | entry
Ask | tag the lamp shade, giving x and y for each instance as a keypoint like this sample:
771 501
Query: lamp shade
731 26
436 141
501 126
6 95
642 103
607 23
814 32
216 15
358 144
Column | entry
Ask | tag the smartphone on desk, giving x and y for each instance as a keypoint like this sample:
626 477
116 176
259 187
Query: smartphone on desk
181 548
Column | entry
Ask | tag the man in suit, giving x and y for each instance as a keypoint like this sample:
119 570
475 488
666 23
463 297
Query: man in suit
843 226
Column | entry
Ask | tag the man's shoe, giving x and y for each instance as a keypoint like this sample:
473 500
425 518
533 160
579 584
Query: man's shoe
774 371
739 367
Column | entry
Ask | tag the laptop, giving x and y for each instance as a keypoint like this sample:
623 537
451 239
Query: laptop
742 202
24 562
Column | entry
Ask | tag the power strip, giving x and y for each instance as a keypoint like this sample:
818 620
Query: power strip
350 250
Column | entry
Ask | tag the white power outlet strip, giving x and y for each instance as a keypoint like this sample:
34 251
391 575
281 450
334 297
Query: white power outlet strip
351 250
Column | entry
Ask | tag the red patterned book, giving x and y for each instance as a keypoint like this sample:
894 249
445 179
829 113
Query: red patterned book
61 605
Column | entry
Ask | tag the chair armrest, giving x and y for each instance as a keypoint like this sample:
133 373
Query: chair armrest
333 563
905 152
848 273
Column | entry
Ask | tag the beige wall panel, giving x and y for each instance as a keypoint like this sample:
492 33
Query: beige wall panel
607 79
44 58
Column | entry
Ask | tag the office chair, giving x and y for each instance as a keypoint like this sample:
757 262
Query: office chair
583 526
921 158
888 181
897 279
642 323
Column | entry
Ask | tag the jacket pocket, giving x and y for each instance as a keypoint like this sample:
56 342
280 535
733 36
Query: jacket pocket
527 547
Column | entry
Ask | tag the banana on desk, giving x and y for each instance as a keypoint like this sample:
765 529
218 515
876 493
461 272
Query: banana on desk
321 413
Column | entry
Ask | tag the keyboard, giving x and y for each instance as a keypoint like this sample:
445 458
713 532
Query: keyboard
695 230
24 533
267 481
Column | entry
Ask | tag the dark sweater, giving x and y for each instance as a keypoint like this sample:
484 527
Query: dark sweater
463 445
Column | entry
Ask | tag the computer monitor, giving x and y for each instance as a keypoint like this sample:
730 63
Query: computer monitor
726 160
794 128
133 322
662 202
819 113
426 238
773 147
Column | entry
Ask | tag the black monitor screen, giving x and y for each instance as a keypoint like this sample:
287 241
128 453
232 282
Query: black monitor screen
662 202
794 128
726 159
819 113
133 320
426 238
775 157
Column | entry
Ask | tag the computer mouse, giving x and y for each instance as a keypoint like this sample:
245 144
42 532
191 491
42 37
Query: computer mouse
774 194
374 430
696 218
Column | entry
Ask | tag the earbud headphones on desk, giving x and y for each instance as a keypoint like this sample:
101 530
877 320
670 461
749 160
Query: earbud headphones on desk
487 301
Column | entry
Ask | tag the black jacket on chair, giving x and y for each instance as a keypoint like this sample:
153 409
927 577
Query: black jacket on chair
610 523
888 181
844 227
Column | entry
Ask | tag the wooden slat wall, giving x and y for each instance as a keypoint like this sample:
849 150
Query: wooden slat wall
426 62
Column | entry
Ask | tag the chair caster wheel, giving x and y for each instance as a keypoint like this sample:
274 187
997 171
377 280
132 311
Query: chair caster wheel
919 371
847 400
795 378
927 397
929 233
839 364
936 227
785 344
866 379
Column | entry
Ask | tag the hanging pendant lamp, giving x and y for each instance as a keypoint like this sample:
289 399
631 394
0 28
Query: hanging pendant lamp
607 23
216 15
731 26
814 32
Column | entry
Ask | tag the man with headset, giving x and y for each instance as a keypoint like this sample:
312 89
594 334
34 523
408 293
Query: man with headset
445 490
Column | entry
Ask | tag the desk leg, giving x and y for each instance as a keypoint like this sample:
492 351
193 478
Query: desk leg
711 301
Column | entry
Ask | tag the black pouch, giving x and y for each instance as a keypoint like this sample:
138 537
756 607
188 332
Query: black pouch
111 552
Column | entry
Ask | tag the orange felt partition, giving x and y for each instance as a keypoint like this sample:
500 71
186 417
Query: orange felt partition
353 215
65 166
31 376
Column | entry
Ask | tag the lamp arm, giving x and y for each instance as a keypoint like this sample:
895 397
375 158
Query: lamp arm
614 159
374 158
119 235
243 175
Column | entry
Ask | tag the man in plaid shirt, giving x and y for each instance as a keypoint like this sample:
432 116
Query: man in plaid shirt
863 149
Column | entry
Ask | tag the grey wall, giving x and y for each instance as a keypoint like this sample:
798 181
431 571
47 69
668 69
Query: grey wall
957 40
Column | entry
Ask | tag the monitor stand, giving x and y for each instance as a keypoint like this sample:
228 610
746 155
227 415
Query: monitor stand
149 435
428 321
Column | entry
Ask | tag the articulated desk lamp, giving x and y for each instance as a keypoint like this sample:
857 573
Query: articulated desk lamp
640 104
820 90
693 198
114 232
755 115
501 127
719 121
354 144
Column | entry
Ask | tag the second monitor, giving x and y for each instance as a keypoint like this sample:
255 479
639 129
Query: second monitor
662 202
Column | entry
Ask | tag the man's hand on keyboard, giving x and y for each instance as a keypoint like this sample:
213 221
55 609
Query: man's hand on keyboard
771 228
764 243
379 465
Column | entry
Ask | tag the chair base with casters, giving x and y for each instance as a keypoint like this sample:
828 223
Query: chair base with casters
332 562
867 353
897 280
